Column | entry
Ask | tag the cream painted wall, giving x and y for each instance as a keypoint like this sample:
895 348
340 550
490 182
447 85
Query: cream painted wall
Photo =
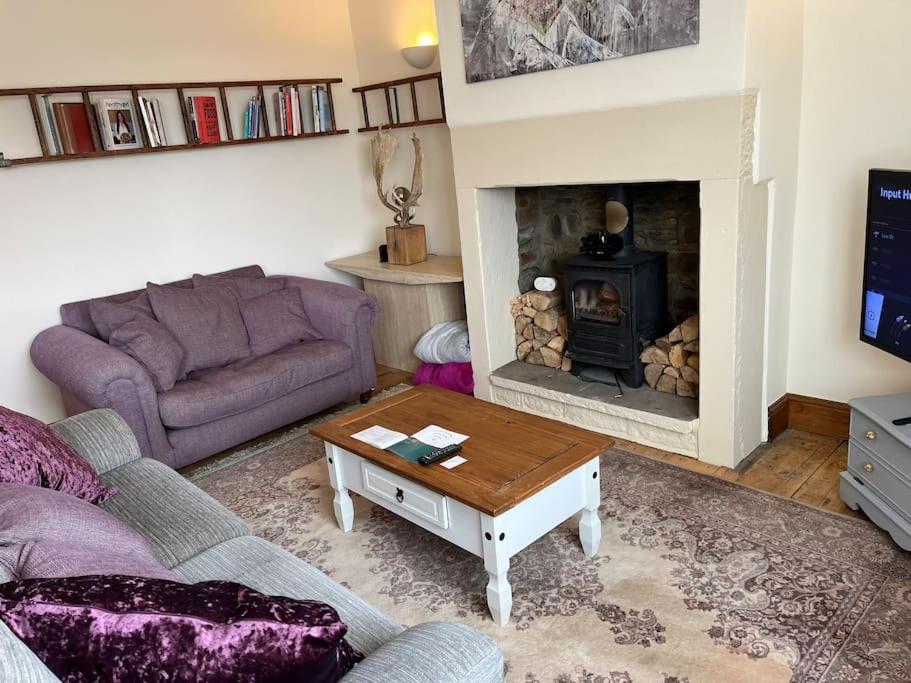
714 67
380 31
777 76
84 228
855 116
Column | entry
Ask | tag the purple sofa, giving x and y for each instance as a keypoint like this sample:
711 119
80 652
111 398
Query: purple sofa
217 408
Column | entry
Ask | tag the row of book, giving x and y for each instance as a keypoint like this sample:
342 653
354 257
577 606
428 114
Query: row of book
70 132
295 112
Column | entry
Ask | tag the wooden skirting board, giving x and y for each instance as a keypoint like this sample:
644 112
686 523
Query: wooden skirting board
808 414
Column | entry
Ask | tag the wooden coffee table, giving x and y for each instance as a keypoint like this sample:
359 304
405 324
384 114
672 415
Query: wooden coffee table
524 476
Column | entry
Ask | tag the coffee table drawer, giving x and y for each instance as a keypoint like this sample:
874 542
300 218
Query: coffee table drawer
428 505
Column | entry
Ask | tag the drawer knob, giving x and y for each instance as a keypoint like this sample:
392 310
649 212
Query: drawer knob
868 468
871 435
399 495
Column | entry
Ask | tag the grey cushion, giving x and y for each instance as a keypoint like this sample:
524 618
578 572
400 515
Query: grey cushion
150 343
177 518
243 287
101 437
221 392
18 664
109 315
206 322
265 567
434 651
277 320
49 534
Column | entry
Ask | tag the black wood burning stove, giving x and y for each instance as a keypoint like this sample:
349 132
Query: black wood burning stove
616 299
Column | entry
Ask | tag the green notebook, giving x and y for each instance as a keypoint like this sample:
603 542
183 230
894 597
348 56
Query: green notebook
411 449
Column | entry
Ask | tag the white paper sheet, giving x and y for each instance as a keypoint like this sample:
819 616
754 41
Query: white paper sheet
379 437
438 437
453 462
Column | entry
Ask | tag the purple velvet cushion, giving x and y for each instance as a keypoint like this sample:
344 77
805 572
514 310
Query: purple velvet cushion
132 629
31 453
150 343
244 287
277 320
109 315
205 321
49 534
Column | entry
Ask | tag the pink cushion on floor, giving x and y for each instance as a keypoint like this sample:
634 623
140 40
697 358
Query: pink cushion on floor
453 376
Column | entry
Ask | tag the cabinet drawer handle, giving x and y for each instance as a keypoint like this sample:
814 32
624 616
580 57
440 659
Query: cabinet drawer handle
871 435
868 468
399 495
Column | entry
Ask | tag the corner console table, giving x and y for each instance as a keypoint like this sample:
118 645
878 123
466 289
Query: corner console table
413 299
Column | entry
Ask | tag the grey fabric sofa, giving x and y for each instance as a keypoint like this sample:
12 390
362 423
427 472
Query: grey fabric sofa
215 409
203 541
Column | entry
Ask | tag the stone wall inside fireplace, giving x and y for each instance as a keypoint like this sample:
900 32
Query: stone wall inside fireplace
553 219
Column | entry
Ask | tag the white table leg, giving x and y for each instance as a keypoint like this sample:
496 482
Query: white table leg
496 562
344 508
590 522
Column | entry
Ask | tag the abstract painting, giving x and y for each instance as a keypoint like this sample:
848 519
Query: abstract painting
503 38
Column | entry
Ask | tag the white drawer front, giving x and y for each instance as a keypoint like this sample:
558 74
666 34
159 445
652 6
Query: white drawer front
407 495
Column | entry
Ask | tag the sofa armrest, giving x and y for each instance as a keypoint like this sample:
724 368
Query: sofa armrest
344 314
101 437
101 376
436 651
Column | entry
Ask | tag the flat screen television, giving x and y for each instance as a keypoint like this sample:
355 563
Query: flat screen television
886 322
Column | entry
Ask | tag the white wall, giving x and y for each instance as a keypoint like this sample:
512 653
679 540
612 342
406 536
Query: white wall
855 116
714 67
380 30
78 229
774 54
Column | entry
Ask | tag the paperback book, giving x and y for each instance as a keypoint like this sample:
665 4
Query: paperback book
117 123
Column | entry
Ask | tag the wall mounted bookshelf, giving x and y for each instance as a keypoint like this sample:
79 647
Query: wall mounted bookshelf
222 88
388 88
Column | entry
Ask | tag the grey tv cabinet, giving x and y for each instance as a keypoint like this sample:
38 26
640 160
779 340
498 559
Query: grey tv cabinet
878 479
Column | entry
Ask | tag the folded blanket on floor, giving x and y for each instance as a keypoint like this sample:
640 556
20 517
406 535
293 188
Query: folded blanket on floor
452 376
445 343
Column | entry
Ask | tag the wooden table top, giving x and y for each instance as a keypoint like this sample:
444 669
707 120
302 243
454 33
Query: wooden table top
511 455
435 270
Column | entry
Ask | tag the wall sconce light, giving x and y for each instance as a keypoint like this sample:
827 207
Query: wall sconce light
421 56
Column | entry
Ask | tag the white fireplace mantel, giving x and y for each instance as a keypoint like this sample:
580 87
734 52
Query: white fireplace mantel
710 141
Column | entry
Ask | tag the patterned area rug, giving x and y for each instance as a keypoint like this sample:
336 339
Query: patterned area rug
698 579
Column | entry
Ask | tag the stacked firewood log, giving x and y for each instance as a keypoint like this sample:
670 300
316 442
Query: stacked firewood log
672 363
541 332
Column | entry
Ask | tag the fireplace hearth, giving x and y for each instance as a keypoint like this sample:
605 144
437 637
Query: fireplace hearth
615 309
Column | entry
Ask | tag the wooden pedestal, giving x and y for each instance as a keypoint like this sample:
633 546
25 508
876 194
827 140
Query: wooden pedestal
413 299
406 246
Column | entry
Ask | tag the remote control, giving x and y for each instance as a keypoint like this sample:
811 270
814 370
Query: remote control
439 454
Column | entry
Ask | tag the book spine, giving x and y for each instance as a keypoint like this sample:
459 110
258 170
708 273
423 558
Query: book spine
314 95
103 131
147 122
194 130
159 123
60 117
296 110
325 120
51 124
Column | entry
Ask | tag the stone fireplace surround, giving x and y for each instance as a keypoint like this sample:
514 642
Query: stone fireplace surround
709 141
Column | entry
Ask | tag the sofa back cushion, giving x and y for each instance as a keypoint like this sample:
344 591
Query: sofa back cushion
277 320
108 316
76 313
153 345
32 453
206 322
47 534
123 628
244 287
